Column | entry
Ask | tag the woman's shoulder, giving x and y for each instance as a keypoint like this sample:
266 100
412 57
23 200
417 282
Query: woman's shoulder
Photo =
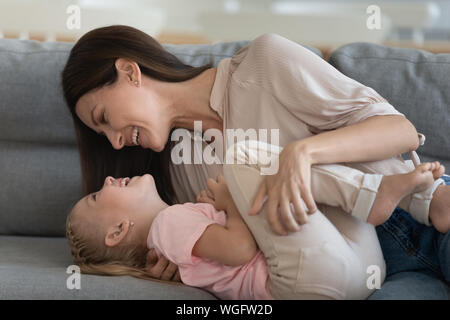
269 39
263 44
267 53
270 44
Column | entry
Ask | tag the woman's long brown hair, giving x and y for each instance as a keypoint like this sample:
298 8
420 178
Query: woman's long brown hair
90 66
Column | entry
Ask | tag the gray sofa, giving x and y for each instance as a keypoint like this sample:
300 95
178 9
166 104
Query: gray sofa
40 174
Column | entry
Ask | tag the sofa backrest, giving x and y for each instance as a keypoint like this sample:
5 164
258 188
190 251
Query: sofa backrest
415 82
39 161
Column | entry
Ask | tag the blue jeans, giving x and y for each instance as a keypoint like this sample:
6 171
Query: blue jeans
417 259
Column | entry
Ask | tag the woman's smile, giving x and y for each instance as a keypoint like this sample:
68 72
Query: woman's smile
135 136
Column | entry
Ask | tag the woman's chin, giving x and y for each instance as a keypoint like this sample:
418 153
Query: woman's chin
158 147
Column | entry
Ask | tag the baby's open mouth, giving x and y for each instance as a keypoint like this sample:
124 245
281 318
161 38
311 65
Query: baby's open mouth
123 182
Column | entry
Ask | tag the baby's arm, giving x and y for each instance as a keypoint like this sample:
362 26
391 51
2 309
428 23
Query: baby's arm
232 244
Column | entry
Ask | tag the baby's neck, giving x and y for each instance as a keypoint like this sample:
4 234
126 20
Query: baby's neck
144 225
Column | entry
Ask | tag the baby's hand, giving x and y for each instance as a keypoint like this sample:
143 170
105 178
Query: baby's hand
220 198
204 197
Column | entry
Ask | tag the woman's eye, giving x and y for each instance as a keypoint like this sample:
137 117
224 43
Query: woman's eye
103 120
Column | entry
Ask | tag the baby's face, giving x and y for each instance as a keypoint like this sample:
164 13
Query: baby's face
115 201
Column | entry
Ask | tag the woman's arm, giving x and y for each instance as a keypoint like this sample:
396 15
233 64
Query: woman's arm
352 122
376 138
161 268
232 244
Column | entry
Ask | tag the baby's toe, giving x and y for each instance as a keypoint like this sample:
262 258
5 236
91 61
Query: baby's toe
440 171
426 166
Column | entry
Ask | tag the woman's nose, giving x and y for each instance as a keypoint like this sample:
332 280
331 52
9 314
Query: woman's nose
117 140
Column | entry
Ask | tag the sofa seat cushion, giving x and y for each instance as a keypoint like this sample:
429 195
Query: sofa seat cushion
35 268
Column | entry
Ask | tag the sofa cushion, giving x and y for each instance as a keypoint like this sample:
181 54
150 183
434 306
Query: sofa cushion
35 268
39 158
415 82
40 183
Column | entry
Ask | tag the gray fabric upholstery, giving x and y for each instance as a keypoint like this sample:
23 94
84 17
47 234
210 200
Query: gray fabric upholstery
415 82
41 180
35 268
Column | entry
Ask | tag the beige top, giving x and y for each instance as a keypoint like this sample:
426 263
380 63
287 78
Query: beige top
275 83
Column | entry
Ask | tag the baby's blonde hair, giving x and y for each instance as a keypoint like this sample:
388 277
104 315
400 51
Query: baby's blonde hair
92 256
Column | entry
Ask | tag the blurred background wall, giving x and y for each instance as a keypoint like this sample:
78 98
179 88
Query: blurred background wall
325 24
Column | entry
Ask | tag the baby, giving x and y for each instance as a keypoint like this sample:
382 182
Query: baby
111 231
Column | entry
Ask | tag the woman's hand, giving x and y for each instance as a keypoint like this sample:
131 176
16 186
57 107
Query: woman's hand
217 194
161 268
290 184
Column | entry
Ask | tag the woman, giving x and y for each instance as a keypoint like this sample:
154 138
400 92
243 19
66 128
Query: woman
121 83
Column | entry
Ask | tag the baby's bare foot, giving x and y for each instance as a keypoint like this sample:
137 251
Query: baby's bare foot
395 187
422 177
438 169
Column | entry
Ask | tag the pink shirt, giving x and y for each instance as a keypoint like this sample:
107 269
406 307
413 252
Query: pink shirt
275 83
173 234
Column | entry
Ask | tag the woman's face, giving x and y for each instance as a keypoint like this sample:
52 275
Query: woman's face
116 110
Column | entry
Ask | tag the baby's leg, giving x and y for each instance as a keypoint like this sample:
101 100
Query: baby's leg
339 186
420 204
351 189
373 205
396 187
316 262
335 185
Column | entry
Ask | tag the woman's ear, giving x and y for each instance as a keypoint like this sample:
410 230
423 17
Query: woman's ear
116 233
128 70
